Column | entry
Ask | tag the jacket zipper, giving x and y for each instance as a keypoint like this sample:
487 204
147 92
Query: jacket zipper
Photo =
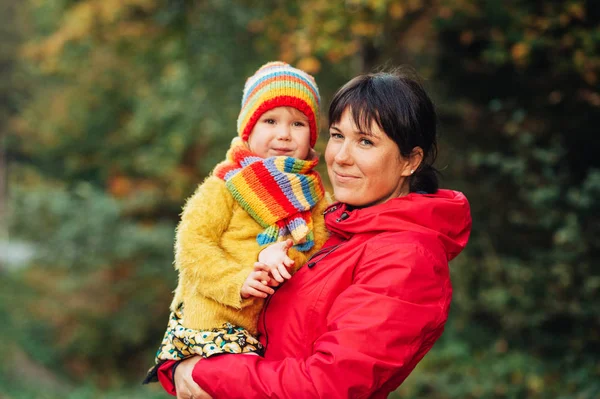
308 263
330 249
268 301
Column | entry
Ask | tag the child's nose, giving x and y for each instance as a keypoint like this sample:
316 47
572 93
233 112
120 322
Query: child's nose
283 132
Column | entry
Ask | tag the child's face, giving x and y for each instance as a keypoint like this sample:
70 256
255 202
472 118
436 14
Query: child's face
282 131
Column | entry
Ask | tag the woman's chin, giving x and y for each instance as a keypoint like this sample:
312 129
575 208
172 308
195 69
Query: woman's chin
348 197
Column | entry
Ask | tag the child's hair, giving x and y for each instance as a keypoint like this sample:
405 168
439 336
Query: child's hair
277 84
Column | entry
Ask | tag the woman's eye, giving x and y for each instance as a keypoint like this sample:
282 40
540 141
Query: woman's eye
335 135
366 142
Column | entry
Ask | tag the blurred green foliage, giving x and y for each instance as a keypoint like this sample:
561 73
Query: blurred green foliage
114 110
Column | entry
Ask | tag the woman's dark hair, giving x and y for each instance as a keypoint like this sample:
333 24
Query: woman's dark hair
398 103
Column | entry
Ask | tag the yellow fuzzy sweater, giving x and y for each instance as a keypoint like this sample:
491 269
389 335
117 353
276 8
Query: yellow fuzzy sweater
215 251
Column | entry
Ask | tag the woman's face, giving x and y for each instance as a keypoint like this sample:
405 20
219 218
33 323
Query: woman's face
364 168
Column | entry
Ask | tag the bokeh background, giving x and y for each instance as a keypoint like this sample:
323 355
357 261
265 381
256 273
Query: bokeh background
112 111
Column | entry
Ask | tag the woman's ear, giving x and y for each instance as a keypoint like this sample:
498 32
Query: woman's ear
414 161
416 157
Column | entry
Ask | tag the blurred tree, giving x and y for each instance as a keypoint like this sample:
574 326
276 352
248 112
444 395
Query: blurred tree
134 101
520 82
11 31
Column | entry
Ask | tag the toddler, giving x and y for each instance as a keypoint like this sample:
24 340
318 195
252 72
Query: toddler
264 203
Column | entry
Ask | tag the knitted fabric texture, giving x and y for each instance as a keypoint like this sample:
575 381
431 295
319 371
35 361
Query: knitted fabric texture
278 192
277 84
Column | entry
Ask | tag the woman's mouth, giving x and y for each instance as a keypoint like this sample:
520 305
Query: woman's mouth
344 178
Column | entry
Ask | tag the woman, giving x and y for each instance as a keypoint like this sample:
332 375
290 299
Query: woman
358 317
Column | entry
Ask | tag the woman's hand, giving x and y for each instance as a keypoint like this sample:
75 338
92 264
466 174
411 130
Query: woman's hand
185 385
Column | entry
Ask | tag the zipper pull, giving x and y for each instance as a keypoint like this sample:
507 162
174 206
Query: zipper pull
342 217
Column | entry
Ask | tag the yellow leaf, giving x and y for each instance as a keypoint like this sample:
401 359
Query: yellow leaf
256 26
332 26
335 55
579 58
414 5
303 45
397 11
364 29
577 10
535 383
519 52
542 23
445 13
309 64
352 48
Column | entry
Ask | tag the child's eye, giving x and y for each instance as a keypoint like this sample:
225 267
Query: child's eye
299 124
270 121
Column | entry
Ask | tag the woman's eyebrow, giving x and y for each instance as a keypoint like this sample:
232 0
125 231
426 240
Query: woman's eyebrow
370 134
356 131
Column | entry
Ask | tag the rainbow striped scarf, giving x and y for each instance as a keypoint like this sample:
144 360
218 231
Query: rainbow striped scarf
278 192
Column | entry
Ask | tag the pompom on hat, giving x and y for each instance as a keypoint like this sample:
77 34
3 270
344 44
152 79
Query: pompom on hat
277 84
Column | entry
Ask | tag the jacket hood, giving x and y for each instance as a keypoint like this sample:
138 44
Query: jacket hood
446 215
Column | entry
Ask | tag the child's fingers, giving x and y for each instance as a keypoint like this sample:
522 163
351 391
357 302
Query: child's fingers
273 283
261 275
255 293
276 275
257 285
259 266
284 272
288 262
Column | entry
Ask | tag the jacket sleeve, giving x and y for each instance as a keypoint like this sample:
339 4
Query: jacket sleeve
377 331
203 265
165 376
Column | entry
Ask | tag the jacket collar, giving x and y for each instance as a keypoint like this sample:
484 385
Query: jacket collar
444 215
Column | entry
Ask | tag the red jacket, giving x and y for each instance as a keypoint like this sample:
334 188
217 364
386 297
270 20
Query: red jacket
356 319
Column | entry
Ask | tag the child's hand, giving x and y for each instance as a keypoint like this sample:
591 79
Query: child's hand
262 267
257 284
275 258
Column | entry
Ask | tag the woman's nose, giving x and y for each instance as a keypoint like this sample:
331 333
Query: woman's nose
343 156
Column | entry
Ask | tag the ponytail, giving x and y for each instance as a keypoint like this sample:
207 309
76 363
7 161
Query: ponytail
425 179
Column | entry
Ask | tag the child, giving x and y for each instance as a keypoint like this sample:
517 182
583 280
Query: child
264 196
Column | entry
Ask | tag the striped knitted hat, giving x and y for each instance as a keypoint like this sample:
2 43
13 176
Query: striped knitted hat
277 84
